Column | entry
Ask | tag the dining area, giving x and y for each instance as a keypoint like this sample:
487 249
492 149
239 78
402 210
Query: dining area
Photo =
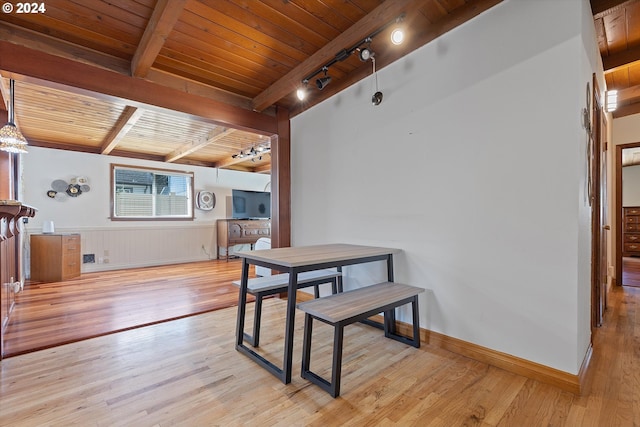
339 309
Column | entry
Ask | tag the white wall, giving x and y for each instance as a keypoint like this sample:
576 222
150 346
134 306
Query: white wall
125 243
474 166
631 185
626 130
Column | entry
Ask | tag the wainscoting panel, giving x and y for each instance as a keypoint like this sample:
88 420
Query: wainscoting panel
127 247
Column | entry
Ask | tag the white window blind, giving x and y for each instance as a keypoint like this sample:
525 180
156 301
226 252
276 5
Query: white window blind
141 193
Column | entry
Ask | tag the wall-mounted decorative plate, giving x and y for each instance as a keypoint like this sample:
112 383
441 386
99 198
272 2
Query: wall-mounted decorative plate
206 200
59 185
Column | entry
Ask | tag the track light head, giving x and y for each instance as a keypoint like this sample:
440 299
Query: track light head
301 93
376 99
365 54
397 36
322 82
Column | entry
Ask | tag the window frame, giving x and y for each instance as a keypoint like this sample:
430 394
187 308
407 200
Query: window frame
156 171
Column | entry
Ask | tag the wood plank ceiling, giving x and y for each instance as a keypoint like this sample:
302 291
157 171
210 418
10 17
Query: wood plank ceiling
617 24
142 78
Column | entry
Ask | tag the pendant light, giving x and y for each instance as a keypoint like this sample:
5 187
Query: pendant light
376 99
11 139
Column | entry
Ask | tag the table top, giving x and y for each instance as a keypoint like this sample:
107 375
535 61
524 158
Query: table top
316 254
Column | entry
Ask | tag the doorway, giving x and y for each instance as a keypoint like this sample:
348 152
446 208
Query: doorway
627 203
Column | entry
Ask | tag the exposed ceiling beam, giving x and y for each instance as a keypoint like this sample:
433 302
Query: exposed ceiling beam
600 8
23 37
193 146
50 68
624 58
263 169
196 88
380 16
126 121
164 17
626 110
629 94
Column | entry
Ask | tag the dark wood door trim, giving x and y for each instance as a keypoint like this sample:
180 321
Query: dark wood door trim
618 209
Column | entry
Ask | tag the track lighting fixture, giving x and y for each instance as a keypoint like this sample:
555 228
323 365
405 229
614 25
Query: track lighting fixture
322 82
397 36
301 93
257 151
364 54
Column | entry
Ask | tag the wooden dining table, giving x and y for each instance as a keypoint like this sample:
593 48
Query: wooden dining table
295 260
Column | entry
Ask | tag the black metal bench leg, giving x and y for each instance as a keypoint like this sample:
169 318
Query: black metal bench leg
332 387
336 371
242 304
306 344
390 325
257 315
416 322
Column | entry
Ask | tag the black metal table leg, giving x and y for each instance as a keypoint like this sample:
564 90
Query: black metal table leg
242 302
290 323
391 321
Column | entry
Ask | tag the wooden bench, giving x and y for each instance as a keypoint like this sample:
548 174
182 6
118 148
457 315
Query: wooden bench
264 286
345 308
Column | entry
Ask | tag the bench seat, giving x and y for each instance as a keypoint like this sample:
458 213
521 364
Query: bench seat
270 285
345 308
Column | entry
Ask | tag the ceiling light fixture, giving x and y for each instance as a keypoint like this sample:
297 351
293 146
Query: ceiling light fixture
301 93
11 140
611 100
253 152
364 53
397 34
322 82
376 99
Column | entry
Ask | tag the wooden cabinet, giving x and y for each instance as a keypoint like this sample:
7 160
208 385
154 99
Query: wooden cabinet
11 214
55 257
241 232
631 232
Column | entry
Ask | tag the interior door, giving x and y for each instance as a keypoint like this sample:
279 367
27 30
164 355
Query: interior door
598 199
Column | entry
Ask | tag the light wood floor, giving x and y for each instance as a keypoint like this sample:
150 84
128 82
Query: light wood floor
186 372
94 304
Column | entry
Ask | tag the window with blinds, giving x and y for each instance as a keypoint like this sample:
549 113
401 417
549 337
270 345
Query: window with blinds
141 193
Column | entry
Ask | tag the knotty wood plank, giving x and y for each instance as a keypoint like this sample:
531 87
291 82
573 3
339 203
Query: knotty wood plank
50 314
